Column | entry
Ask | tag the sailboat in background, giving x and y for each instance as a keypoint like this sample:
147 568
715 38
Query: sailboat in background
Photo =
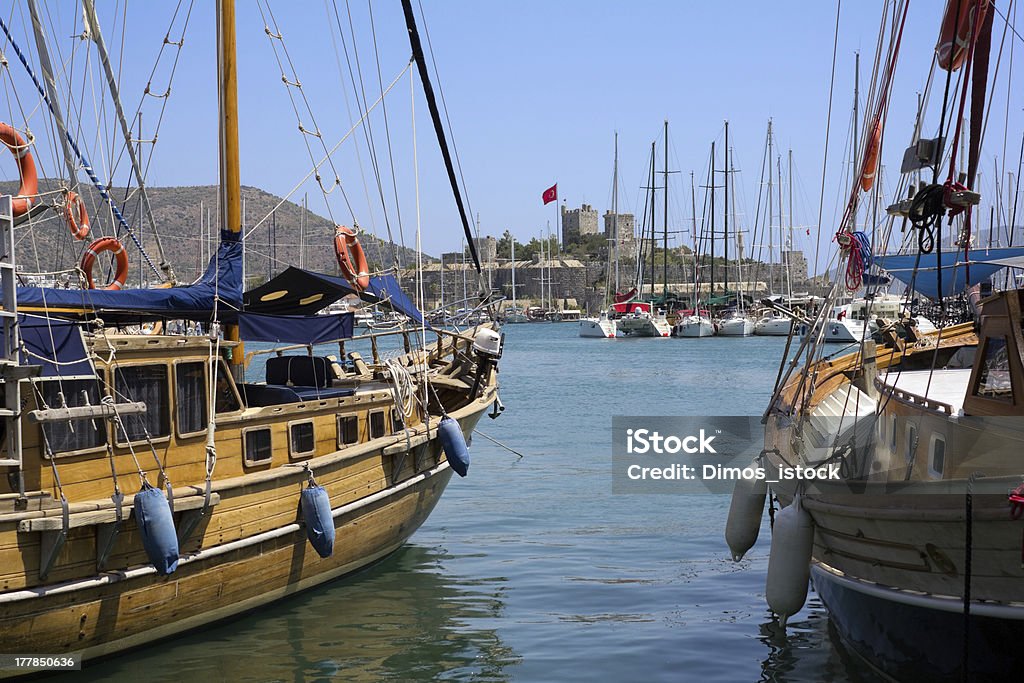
319 467
775 324
603 326
645 319
696 322
736 323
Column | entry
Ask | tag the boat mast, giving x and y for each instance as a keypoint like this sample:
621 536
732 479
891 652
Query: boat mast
856 124
783 252
615 210
739 244
664 293
51 91
725 227
771 233
788 261
711 292
230 180
694 301
652 242
514 304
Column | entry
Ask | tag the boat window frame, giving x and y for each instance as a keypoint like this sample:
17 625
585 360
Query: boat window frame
341 441
111 375
206 387
246 460
383 424
981 354
933 441
92 450
225 371
297 455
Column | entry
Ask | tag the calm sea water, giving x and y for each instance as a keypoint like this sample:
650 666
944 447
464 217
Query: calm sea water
531 569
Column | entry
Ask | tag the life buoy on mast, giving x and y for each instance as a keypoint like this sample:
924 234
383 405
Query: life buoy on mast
955 36
29 190
867 176
76 216
351 257
95 248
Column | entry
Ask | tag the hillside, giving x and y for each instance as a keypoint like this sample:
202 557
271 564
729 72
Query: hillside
49 246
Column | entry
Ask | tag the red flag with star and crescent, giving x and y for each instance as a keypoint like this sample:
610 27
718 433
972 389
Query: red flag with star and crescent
550 194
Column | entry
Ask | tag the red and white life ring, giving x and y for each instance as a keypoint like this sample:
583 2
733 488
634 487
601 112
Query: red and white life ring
76 216
958 32
28 192
99 246
351 257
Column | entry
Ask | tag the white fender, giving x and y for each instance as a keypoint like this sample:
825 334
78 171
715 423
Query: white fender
745 513
789 563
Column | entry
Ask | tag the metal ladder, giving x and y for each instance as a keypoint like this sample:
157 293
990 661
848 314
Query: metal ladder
10 367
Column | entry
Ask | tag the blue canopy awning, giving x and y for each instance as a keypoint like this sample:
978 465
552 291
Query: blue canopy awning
299 291
55 345
921 272
295 329
220 286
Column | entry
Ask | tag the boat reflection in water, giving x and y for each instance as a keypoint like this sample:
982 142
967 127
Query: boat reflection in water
406 618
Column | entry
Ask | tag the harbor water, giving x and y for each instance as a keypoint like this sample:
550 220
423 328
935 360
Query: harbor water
530 569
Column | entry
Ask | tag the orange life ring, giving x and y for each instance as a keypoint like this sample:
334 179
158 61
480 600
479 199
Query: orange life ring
351 257
955 35
29 190
94 249
867 176
79 226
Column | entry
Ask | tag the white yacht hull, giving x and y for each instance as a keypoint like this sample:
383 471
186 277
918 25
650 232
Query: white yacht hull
694 326
644 327
597 328
773 327
736 327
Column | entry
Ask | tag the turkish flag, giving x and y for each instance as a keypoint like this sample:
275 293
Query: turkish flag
550 194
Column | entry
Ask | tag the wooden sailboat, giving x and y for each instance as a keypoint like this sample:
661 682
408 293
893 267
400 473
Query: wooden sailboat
149 490
914 544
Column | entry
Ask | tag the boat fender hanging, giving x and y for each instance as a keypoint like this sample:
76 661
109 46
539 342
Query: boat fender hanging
97 246
76 216
958 31
316 511
745 512
454 444
351 257
156 525
28 191
789 562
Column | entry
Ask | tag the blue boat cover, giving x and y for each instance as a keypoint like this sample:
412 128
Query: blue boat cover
299 291
923 275
221 284
54 344
295 329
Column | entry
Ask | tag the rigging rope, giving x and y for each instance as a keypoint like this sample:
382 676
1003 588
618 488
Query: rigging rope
100 187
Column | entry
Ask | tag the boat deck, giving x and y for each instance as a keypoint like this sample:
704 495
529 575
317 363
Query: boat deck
948 386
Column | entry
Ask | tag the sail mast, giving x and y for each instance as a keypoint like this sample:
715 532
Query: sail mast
725 227
615 210
652 243
711 292
230 179
51 91
664 283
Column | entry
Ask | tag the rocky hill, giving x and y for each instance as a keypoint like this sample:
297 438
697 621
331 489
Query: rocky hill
187 241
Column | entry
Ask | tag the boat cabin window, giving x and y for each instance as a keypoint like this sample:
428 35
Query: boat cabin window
937 457
377 424
892 433
397 422
72 435
190 397
994 375
911 444
301 441
227 399
348 430
257 445
148 384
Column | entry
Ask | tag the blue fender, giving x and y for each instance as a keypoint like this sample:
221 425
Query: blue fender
316 511
156 525
454 445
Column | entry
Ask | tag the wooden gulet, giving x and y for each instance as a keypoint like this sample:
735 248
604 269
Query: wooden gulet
379 436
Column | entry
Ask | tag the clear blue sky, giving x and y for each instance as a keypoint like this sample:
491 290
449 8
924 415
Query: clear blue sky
534 89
